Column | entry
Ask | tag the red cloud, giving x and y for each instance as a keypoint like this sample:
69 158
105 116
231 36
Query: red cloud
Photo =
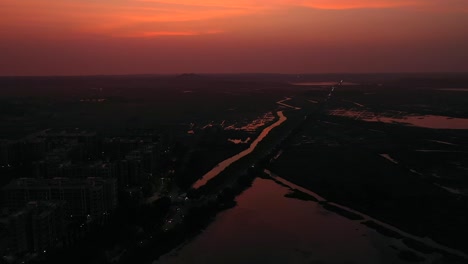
132 17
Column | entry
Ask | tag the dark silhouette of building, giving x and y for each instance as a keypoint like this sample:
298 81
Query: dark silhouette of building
90 197
35 228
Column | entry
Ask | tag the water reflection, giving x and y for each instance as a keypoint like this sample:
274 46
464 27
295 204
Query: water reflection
226 163
239 141
322 83
267 227
254 125
427 121
432 121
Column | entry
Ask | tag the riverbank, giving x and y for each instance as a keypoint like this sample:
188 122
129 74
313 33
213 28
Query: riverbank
199 216
269 226
419 244
347 160
383 190
226 163
217 193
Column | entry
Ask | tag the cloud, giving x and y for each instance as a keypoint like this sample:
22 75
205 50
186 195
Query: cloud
151 34
363 4
135 17
255 5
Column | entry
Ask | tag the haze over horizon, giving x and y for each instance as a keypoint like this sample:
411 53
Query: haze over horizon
72 37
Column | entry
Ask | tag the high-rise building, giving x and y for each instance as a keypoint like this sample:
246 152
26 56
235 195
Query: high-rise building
10 152
36 227
90 197
18 232
47 224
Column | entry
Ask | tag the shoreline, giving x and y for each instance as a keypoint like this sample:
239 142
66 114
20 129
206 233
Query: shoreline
417 243
220 167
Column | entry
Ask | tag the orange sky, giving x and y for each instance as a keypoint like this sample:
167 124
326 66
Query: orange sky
79 37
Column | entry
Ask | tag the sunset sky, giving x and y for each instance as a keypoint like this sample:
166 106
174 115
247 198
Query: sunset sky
86 37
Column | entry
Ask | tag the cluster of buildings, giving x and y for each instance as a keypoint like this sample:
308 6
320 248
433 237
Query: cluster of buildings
90 197
37 227
73 179
49 144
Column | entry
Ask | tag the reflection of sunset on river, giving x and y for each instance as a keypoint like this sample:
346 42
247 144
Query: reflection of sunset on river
266 227
253 125
226 163
427 121
238 131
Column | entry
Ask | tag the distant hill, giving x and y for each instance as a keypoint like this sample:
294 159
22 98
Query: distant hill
190 76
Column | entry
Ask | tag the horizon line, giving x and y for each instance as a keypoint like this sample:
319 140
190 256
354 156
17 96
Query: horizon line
233 73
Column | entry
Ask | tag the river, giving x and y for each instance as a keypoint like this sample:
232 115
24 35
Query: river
267 227
226 163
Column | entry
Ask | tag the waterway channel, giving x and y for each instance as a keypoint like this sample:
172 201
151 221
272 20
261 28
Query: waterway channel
226 163
267 227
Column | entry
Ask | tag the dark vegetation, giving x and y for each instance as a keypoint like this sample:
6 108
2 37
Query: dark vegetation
410 256
339 158
336 157
300 195
342 212
196 220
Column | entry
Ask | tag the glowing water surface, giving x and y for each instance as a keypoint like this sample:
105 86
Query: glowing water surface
267 227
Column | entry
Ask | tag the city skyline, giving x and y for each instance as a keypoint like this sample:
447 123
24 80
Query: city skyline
49 37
